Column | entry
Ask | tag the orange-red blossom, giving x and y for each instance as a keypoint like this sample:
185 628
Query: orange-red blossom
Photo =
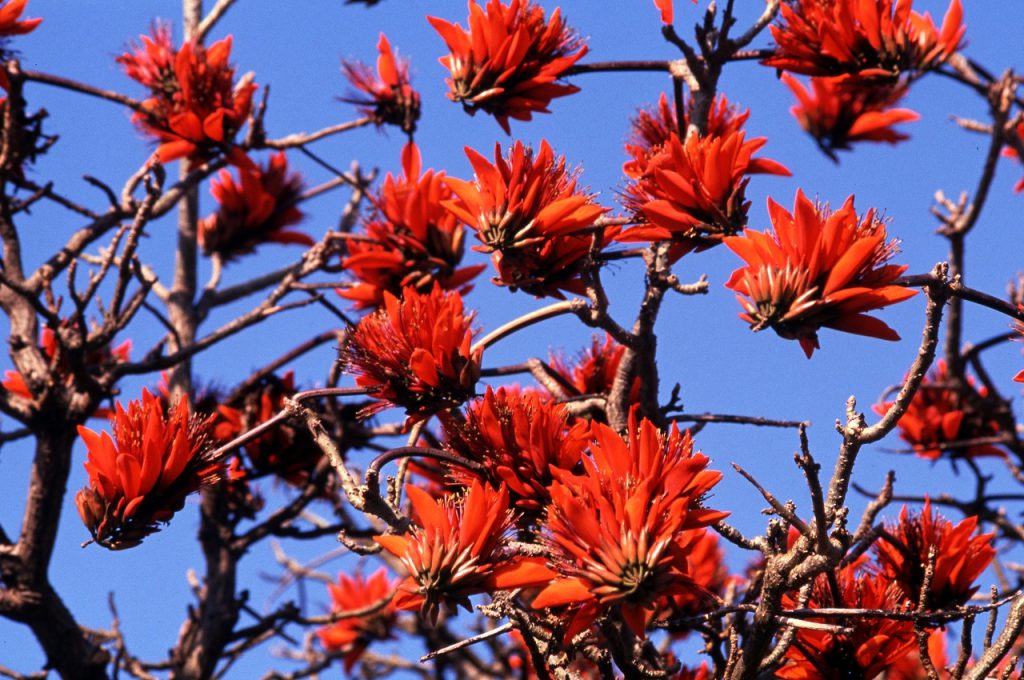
865 38
510 61
459 547
352 635
416 352
387 96
817 268
526 208
257 209
411 239
142 475
622 532
11 23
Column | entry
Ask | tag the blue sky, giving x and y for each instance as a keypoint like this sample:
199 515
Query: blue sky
722 367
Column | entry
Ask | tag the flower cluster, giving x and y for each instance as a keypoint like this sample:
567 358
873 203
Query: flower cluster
946 418
256 209
510 61
817 268
411 239
458 547
688 186
591 372
838 112
416 352
882 39
12 24
353 634
141 476
387 97
518 438
621 532
195 108
526 208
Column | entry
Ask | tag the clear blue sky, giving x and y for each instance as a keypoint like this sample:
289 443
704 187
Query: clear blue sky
296 47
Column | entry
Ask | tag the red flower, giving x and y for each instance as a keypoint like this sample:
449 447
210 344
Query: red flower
196 108
707 569
942 414
817 269
874 645
286 451
142 475
621 533
1011 152
12 24
417 351
95 361
910 666
694 190
528 211
411 239
254 210
510 61
962 555
352 635
592 371
458 548
838 112
518 438
387 97
867 38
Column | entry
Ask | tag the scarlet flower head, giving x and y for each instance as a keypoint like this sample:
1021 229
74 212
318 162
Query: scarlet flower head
141 476
943 414
387 96
353 635
195 108
95 362
874 644
510 61
458 547
526 208
838 112
12 24
255 209
518 438
875 39
817 268
962 555
411 239
591 371
694 190
286 451
417 352
620 534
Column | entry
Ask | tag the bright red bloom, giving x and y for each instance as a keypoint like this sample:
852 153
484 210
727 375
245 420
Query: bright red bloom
694 190
196 108
867 38
875 643
417 351
817 268
142 475
387 96
621 533
352 635
838 112
510 61
257 209
707 569
528 211
458 548
11 23
1011 152
591 372
942 414
910 666
411 239
962 555
518 438
287 451
95 362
